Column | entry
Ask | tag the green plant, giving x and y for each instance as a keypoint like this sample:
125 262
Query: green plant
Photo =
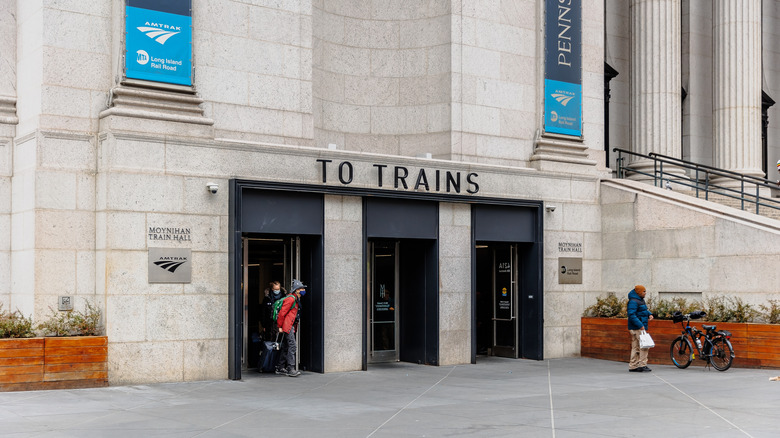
664 308
608 307
724 309
15 325
73 323
771 313
87 323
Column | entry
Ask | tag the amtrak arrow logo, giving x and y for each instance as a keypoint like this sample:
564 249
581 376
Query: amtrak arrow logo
563 99
168 265
159 35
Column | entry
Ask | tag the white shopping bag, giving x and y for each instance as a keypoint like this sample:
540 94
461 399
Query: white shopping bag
645 340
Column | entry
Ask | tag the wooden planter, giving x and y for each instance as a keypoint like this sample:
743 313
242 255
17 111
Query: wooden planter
755 345
53 363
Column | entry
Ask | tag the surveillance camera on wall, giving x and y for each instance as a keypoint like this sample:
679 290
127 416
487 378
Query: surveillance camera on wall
550 208
213 187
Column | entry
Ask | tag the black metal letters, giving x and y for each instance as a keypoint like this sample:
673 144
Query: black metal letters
450 181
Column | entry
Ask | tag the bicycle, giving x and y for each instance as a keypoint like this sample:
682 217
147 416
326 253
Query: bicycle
716 349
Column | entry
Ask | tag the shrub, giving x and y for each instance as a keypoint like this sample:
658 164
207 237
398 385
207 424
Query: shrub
15 325
771 313
664 308
73 323
608 307
723 309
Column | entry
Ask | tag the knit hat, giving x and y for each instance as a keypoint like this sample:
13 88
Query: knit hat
778 164
296 284
639 289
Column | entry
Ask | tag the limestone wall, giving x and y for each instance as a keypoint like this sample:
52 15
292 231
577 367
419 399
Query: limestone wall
651 238
7 130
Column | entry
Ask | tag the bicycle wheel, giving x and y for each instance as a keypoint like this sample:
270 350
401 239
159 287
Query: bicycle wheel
722 354
681 352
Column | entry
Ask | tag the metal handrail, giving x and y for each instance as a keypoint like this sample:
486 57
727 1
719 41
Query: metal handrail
707 185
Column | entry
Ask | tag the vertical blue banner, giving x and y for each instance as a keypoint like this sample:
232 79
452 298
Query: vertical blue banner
159 41
563 67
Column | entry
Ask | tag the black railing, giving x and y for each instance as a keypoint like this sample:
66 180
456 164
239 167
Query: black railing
702 178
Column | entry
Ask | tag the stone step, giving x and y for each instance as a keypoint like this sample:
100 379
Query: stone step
737 203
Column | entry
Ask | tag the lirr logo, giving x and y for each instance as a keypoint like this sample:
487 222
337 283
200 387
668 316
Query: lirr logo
141 57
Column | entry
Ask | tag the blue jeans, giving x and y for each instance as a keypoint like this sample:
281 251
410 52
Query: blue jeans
287 353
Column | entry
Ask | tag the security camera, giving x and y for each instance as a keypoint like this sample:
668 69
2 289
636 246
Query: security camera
213 187
550 208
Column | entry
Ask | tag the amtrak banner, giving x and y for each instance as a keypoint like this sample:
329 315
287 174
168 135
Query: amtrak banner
158 36
563 67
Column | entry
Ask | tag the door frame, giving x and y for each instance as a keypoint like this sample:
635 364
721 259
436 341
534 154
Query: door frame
386 356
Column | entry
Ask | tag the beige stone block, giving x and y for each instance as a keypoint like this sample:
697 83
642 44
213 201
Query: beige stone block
734 239
496 93
328 85
439 60
455 311
144 192
186 317
745 274
674 216
425 32
64 229
562 308
371 33
349 118
501 148
481 62
67 153
85 273
5 278
329 27
55 272
23 280
343 353
197 197
343 311
399 10
387 120
86 73
613 274
222 17
585 217
125 317
275 26
125 230
145 155
85 191
416 62
455 274
346 60
390 63
617 218
481 119
454 347
204 231
144 362
274 92
685 243
65 101
517 124
55 190
519 69
209 274
205 360
344 237
238 90
293 124
78 31
126 272
685 274
6 160
23 227
371 91
244 119
5 232
614 195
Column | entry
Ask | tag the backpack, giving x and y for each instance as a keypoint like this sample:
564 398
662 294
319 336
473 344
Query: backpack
278 307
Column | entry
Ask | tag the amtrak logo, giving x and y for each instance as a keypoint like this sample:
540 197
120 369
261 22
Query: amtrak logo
159 35
170 265
563 99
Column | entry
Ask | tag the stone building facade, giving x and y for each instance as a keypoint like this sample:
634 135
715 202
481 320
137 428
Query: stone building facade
397 156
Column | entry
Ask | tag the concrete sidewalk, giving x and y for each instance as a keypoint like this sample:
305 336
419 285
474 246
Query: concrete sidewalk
575 397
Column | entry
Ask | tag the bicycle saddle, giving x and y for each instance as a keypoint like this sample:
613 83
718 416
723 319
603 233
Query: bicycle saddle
708 327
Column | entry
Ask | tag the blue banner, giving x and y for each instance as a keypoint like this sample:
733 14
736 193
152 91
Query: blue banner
563 67
159 45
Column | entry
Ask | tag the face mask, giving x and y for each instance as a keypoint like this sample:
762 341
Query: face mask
303 292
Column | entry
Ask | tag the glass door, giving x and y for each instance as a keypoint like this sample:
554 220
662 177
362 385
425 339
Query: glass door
505 281
383 301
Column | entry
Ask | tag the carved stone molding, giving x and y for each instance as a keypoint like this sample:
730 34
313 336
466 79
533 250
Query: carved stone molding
8 110
140 100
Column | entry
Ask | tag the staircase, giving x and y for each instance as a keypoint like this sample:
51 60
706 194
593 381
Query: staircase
724 187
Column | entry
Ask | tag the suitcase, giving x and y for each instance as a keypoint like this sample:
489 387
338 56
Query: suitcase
269 356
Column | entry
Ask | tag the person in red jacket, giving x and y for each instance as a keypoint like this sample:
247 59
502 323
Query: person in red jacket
287 321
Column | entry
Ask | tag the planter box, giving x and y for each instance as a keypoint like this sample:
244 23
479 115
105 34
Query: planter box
53 363
755 345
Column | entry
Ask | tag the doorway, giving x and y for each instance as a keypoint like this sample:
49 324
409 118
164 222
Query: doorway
383 281
498 306
266 259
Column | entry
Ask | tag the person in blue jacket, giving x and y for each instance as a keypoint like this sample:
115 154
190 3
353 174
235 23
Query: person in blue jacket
638 319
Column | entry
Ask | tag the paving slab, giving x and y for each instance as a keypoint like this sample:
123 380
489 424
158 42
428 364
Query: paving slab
571 398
